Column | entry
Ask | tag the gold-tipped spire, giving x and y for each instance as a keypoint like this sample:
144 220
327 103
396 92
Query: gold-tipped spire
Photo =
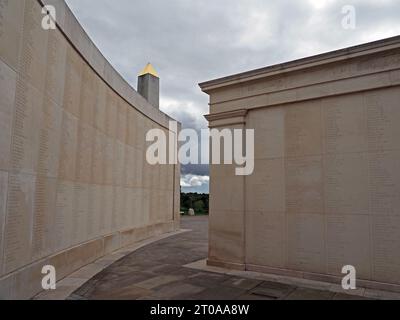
149 69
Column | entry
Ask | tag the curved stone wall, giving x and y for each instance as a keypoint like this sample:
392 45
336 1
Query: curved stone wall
74 182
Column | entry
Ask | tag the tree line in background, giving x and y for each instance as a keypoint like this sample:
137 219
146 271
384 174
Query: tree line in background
196 201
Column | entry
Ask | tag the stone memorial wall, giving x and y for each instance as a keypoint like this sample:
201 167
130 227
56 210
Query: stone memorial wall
74 181
325 192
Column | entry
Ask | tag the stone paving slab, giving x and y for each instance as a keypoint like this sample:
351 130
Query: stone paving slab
342 296
310 294
75 281
158 281
177 291
220 293
124 293
254 297
242 283
273 290
381 295
208 280
174 268
337 291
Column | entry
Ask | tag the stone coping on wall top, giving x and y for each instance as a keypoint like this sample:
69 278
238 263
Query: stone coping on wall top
74 33
304 63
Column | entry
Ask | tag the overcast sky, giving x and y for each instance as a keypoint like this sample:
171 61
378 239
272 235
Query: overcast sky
191 41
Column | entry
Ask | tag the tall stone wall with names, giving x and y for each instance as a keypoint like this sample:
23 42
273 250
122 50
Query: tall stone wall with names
74 181
325 192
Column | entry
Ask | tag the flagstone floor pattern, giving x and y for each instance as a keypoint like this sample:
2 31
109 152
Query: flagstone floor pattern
157 272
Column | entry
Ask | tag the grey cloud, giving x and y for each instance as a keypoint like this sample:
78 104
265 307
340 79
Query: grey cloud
196 169
193 41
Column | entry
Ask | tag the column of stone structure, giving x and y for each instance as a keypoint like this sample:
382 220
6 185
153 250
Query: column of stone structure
227 200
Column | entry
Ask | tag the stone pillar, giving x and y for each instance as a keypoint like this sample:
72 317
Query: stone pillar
174 144
149 85
227 201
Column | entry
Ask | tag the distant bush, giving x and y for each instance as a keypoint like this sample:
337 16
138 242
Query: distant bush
198 201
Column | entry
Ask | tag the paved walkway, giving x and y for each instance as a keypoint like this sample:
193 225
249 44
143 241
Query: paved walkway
157 272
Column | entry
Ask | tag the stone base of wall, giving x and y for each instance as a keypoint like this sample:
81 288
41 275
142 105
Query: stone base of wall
303 275
27 282
226 265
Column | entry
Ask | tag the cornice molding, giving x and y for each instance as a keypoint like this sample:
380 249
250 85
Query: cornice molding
303 64
227 118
